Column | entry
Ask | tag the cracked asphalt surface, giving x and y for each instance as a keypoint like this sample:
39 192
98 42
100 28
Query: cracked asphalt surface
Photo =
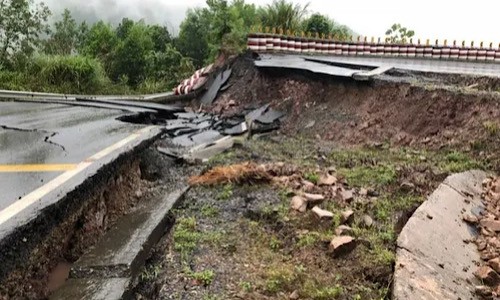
45 134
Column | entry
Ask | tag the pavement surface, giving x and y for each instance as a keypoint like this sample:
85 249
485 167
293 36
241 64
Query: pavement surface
349 66
415 64
434 259
44 147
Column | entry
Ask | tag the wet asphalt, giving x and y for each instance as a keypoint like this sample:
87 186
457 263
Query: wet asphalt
46 134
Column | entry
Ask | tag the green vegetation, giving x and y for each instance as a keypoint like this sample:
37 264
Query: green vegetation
226 192
132 57
186 236
399 34
312 177
205 277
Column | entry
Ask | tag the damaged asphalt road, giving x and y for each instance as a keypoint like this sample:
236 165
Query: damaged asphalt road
48 135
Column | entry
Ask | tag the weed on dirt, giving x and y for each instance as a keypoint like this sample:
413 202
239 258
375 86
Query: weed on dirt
238 239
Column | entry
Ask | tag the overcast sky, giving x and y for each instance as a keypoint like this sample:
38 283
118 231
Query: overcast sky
429 18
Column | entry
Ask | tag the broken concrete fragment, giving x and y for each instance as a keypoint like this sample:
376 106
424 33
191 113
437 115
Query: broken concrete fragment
314 198
307 185
487 275
347 217
495 264
343 230
342 245
327 180
346 195
322 214
491 225
299 204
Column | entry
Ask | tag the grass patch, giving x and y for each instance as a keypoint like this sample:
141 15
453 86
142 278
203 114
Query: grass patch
312 177
226 192
369 175
455 162
491 128
209 211
205 277
186 237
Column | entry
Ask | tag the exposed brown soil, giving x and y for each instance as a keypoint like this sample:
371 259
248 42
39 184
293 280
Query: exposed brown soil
360 113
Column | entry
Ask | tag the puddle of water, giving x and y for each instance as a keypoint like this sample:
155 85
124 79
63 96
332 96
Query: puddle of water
58 276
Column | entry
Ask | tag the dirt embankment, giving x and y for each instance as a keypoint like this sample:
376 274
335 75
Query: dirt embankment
417 114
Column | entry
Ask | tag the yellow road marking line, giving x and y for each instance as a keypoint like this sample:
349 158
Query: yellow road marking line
26 201
36 168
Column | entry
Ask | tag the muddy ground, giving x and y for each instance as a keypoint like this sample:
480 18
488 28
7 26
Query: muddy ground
392 141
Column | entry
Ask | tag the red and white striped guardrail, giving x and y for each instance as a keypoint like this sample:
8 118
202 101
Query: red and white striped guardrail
270 43
193 83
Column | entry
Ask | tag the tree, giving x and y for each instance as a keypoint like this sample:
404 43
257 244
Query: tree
63 41
130 56
318 23
193 36
398 34
21 23
100 42
160 36
283 15
168 66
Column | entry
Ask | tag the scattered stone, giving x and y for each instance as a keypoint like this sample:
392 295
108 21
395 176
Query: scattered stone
491 225
294 295
495 264
138 194
487 275
343 230
481 245
430 217
423 158
484 291
327 180
373 193
331 170
347 217
342 245
322 214
307 185
468 218
299 204
407 186
367 221
346 195
314 198
363 192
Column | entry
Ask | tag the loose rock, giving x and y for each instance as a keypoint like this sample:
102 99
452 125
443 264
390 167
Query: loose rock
347 217
495 264
322 214
407 186
470 219
491 225
343 230
487 275
327 180
367 221
294 295
346 195
314 198
483 291
342 245
299 204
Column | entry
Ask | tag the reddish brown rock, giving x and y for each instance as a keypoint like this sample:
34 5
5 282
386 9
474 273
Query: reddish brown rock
327 180
487 275
299 204
495 264
322 214
490 224
314 198
347 217
342 245
343 230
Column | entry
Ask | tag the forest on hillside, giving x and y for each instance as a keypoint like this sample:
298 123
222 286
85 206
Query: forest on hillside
134 56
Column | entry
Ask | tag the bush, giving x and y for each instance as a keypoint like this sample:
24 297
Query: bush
69 74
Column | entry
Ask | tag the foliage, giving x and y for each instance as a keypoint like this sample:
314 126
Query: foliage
100 42
21 23
284 15
318 23
193 36
64 39
398 34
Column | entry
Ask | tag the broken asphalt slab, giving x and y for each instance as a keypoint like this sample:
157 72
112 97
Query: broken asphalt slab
219 81
433 259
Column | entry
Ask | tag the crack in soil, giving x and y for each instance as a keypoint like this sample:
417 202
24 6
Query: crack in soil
46 139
